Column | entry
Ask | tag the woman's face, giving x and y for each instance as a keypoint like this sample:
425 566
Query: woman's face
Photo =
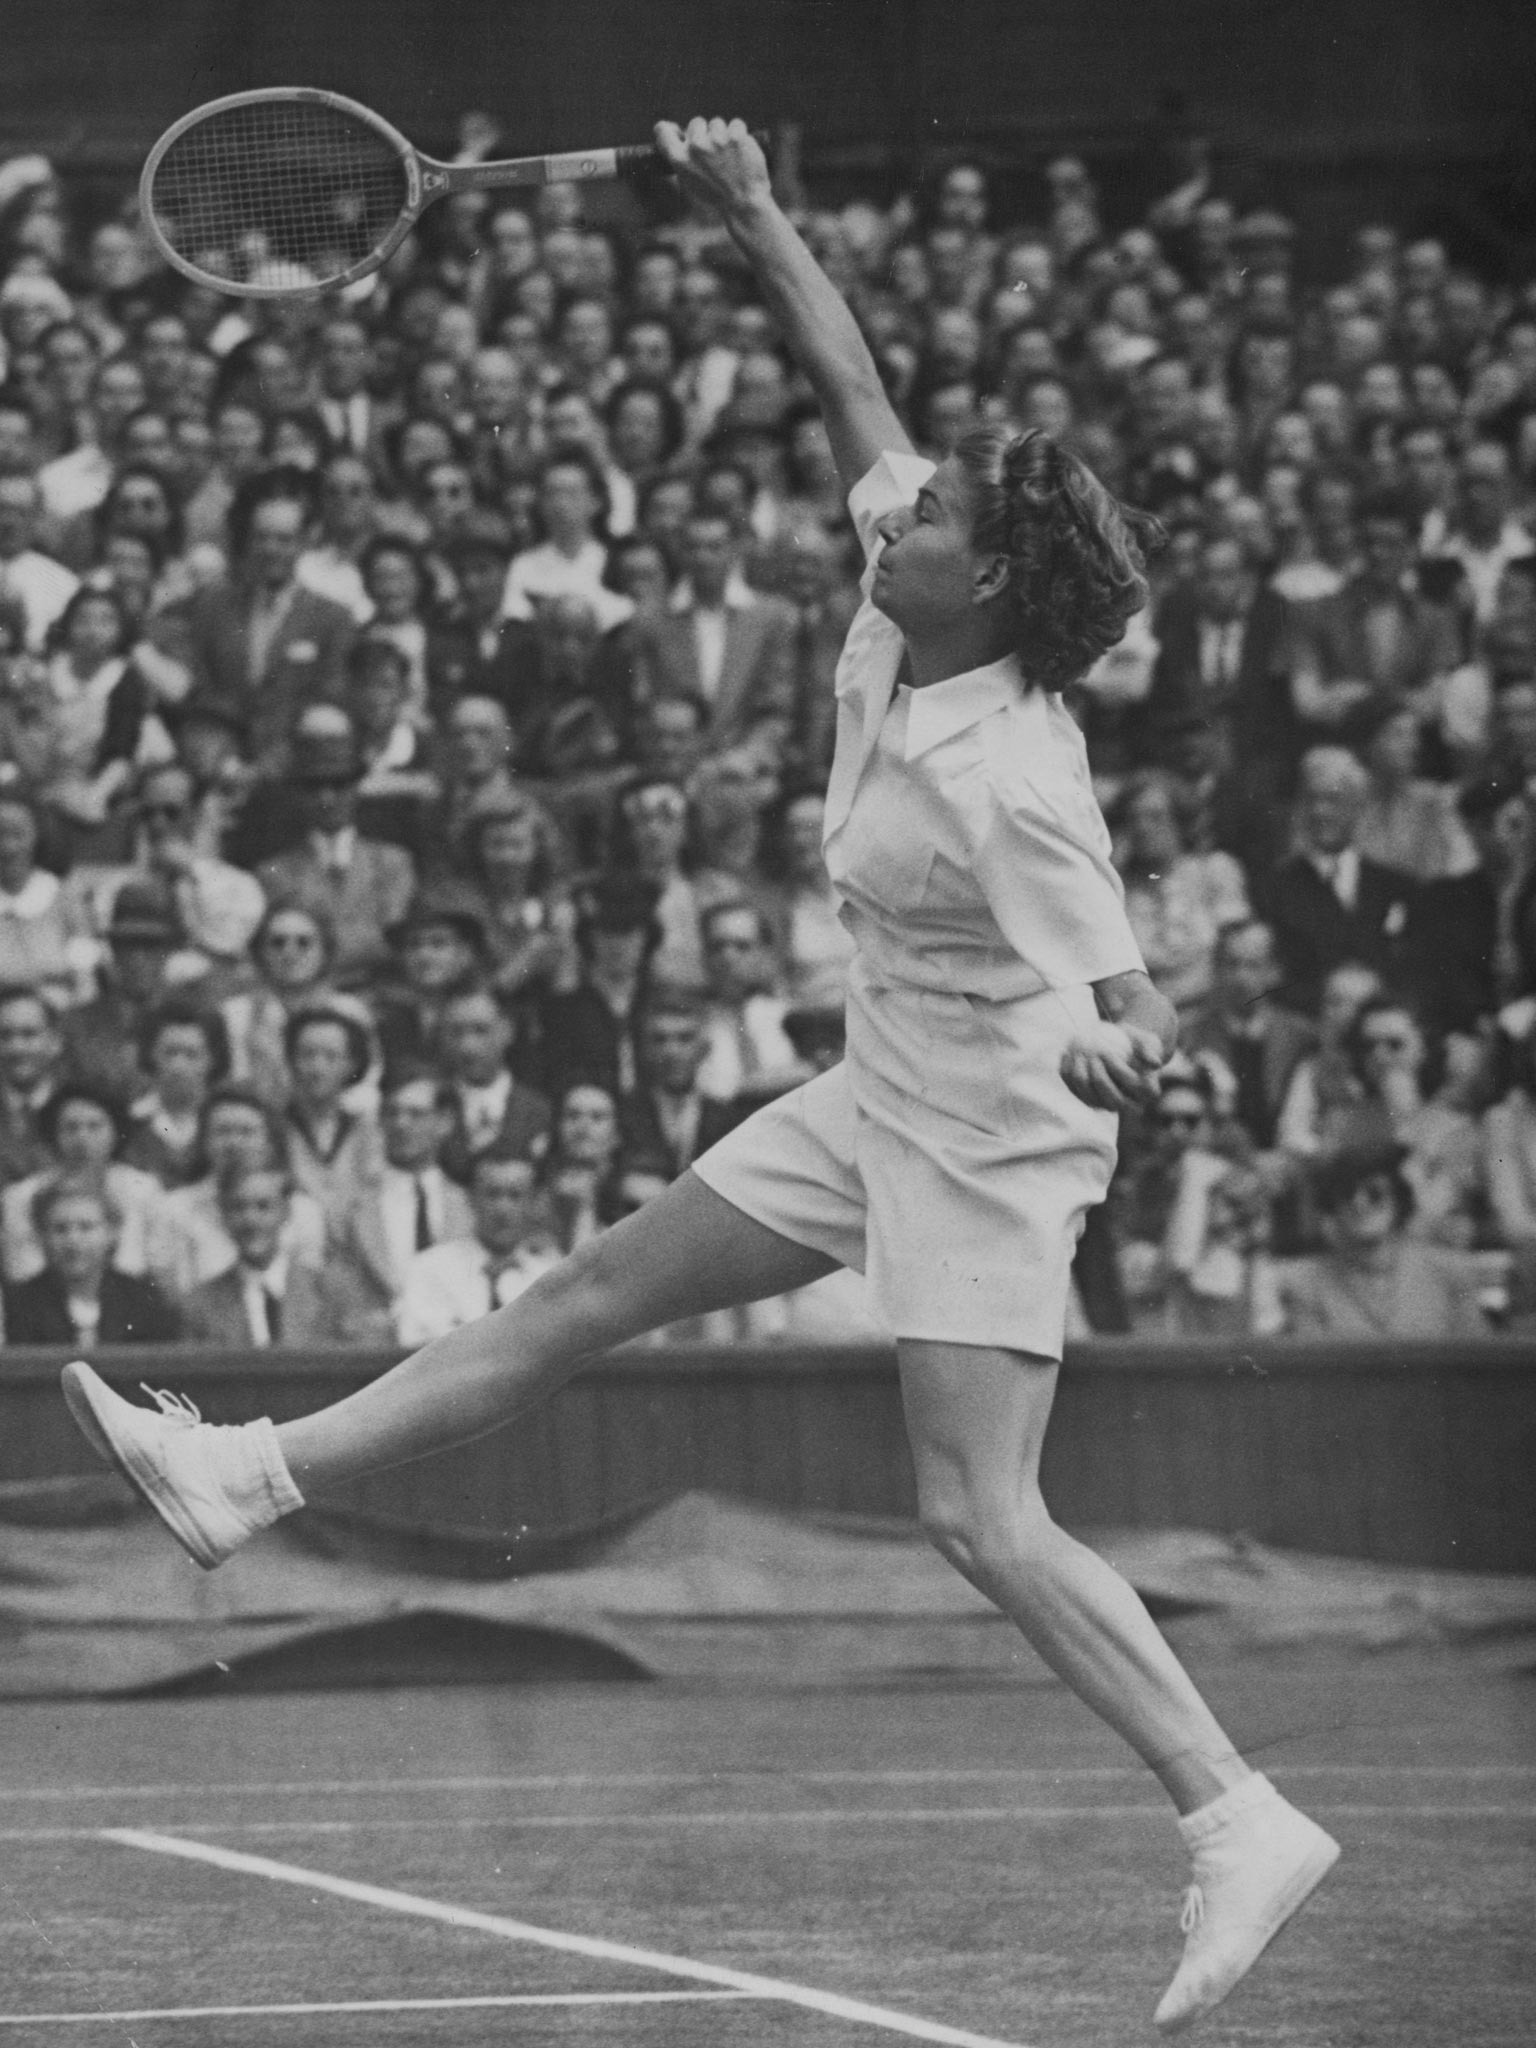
588 1127
18 845
141 506
292 951
77 1239
1152 827
435 957
1367 1217
322 1064
181 1062
85 1135
95 631
1390 1043
236 1135
394 586
925 578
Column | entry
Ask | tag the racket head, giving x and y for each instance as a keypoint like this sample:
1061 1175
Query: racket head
281 193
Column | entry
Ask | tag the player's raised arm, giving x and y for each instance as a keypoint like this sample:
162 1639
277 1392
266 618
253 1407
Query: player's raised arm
720 163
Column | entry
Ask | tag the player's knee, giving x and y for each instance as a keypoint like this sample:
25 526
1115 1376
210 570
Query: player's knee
991 1539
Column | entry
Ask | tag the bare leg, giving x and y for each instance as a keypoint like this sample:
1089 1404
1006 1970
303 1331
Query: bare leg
685 1253
976 1418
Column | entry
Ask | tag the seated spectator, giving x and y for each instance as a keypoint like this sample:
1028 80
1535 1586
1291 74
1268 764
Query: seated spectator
413 1204
1258 1041
1220 1279
730 797
104 1036
816 947
440 947
477 774
1162 1182
360 885
260 637
726 646
1374 1280
746 1048
654 816
32 1064
398 788
511 862
570 559
476 651
578 1176
1509 1155
586 1029
467 1277
186 1241
667 1118
267 1298
80 1298
33 579
491 1107
216 905
184 1050
97 710
1408 822
1325 1085
45 939
1177 901
84 1130
1329 902
396 584
293 950
333 1151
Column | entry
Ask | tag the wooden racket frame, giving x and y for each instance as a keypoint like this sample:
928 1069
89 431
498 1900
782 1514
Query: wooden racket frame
427 181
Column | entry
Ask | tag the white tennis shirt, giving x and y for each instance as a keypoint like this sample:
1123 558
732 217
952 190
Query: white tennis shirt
962 836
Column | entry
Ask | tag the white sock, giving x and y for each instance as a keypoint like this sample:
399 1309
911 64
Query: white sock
1238 1799
263 1486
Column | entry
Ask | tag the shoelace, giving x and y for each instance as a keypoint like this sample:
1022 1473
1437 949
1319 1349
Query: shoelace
174 1407
1192 1914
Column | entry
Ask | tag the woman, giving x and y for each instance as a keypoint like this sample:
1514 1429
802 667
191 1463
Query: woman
45 935
80 1297
510 857
998 1017
334 1151
184 1049
84 1128
395 581
99 708
1176 901
1374 1280
579 1178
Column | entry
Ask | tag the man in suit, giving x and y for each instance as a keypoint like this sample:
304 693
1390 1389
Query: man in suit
668 1116
266 1298
466 1277
31 1067
80 1297
1329 903
1219 700
361 885
260 637
354 418
413 1204
491 1107
724 645
1257 1040
823 609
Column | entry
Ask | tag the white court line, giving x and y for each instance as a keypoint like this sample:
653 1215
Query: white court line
577 1781
839 1816
778 1988
226 2012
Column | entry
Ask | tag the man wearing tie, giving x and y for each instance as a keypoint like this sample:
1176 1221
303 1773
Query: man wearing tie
266 1299
1329 903
467 1277
352 416
413 1205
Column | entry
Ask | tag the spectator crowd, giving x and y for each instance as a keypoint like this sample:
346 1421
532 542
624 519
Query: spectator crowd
416 706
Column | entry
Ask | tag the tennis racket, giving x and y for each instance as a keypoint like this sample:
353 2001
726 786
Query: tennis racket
289 191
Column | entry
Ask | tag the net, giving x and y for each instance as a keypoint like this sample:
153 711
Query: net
279 192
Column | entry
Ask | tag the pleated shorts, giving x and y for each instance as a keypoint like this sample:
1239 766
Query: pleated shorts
944 1158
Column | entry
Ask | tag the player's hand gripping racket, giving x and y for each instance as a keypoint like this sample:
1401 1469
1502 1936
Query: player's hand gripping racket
288 191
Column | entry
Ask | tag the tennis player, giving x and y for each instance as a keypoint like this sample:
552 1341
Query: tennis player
998 1018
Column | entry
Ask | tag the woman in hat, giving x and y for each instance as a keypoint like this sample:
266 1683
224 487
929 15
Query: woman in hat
999 1016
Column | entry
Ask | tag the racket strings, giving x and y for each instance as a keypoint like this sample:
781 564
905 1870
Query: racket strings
283 192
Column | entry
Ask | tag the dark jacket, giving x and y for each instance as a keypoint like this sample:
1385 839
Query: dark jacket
1315 933
133 1311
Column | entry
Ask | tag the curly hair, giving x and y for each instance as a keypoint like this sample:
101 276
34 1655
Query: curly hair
1076 556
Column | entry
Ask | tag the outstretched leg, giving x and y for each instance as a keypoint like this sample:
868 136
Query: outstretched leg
683 1254
976 1419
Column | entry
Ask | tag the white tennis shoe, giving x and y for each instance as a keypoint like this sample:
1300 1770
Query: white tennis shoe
1256 1860
213 1486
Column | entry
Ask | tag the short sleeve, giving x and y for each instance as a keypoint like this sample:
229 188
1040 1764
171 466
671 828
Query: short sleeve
1053 891
893 481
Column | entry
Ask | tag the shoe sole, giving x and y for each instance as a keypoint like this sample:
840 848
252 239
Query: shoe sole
1308 1876
76 1381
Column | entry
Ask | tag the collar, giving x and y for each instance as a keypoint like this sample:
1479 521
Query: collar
738 596
937 713
273 1279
